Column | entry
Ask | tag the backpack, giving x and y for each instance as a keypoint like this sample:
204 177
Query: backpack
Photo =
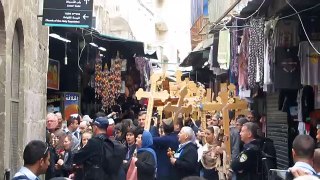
268 156
113 154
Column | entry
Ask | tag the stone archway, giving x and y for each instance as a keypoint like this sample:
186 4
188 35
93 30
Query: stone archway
16 112
2 84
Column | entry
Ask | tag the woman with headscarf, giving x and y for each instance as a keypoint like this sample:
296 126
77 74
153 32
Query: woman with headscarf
210 153
146 160
185 160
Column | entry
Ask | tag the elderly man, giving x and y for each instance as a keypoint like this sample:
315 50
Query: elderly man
185 160
60 119
52 122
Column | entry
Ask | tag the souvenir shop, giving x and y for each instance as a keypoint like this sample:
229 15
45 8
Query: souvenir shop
89 72
271 51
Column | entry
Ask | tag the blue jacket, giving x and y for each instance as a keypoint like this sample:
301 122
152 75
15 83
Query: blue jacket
161 145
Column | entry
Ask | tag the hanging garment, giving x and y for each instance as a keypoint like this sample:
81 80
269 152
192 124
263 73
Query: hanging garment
234 52
310 63
268 54
214 53
140 65
256 52
243 60
287 68
224 49
287 33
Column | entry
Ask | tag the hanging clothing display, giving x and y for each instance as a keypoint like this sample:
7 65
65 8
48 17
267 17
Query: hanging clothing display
287 68
256 52
268 54
305 100
142 66
213 61
234 52
287 33
224 49
310 63
243 61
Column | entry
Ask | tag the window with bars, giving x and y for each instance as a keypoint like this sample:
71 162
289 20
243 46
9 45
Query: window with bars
14 102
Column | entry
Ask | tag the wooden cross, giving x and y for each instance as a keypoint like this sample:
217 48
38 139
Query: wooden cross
215 106
179 108
152 95
178 77
234 103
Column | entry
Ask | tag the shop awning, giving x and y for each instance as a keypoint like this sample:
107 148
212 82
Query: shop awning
111 43
196 58
199 55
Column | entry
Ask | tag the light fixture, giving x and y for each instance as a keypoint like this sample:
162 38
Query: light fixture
102 49
65 54
101 55
93 44
56 36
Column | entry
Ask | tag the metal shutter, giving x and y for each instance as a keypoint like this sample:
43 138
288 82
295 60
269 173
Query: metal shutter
14 104
277 130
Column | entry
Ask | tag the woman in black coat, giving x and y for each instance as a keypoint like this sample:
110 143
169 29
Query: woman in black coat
146 160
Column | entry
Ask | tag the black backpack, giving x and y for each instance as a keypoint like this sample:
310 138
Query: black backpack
113 155
268 156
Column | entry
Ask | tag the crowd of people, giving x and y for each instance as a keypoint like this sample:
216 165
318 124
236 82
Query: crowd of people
121 148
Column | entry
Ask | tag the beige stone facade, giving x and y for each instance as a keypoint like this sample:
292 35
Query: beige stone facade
23 79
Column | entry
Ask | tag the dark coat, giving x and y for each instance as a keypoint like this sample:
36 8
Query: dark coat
246 164
161 145
145 166
51 171
90 157
67 166
187 162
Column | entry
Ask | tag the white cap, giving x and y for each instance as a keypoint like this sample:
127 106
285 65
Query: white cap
87 118
111 121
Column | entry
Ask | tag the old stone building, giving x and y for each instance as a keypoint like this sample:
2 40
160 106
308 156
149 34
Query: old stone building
23 76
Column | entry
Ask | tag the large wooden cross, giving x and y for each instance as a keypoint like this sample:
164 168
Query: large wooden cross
179 108
151 96
215 106
234 103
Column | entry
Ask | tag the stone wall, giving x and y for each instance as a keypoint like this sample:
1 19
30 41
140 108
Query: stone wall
33 37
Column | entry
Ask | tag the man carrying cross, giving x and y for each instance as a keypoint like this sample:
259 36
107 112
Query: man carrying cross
142 116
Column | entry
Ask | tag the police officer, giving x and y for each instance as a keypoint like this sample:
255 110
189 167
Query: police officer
247 164
90 156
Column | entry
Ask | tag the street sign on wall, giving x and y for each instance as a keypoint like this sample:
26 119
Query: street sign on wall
68 13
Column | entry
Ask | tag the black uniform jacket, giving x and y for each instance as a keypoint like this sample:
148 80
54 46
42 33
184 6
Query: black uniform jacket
247 164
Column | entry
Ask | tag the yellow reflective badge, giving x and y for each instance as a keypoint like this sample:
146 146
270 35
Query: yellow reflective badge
243 157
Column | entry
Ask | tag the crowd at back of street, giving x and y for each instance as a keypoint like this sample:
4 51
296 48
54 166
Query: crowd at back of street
119 148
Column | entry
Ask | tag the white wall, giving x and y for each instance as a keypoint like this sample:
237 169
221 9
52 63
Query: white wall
177 16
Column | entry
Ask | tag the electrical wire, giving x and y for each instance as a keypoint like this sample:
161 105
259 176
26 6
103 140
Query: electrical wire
313 7
251 14
303 27
84 45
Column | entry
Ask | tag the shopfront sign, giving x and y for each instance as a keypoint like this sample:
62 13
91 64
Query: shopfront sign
68 13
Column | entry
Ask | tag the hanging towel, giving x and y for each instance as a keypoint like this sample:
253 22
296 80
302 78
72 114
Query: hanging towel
224 49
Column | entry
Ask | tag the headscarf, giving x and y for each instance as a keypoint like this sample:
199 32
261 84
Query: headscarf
147 142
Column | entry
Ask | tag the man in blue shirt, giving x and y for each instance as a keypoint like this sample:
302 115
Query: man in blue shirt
36 158
302 151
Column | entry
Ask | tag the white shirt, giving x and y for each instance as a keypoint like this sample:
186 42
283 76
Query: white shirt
26 172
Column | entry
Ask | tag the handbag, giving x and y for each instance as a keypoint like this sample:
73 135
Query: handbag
132 173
